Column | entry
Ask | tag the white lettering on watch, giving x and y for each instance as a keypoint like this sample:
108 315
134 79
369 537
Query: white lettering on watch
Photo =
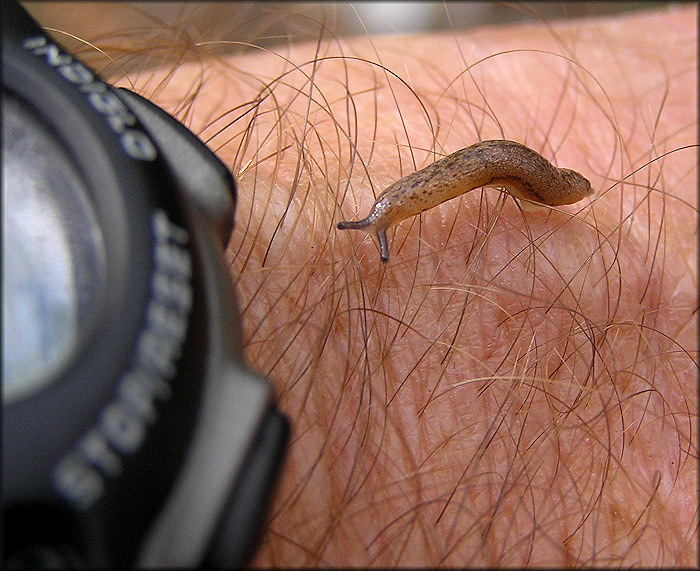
121 427
119 118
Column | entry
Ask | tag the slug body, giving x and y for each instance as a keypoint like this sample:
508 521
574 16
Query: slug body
501 164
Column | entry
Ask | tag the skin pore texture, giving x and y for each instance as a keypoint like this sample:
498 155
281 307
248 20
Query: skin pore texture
509 388
523 172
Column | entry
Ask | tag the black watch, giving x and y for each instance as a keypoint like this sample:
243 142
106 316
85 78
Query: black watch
133 434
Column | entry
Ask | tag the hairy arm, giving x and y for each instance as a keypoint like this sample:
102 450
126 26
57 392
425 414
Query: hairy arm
512 387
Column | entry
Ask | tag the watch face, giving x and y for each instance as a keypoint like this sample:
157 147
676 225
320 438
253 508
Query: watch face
53 253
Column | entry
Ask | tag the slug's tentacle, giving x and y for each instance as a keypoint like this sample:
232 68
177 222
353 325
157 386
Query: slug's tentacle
368 224
505 164
357 225
383 245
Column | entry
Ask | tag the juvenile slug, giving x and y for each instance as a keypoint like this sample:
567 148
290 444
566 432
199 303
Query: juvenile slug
501 164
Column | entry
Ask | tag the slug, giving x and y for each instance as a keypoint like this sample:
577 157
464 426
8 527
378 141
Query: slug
524 173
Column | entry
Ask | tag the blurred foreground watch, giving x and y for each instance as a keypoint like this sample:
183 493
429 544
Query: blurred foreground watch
133 433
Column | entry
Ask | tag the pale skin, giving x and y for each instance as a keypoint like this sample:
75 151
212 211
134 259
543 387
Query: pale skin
511 388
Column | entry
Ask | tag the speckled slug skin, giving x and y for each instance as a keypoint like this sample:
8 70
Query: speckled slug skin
524 173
